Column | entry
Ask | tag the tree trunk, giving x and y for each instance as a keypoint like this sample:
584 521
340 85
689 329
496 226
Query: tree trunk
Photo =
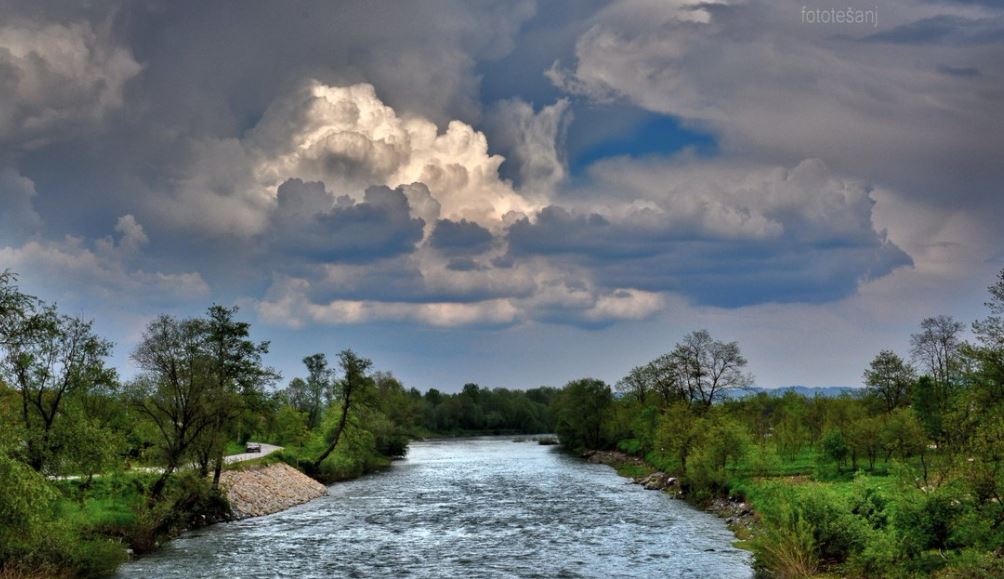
338 435
157 490
218 470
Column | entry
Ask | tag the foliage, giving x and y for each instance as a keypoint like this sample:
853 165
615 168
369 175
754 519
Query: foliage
580 409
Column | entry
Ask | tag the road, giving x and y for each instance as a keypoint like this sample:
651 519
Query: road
266 449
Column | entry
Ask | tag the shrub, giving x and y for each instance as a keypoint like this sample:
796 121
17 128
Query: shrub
786 546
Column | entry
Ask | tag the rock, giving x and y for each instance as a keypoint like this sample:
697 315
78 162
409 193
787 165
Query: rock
657 481
269 489
610 457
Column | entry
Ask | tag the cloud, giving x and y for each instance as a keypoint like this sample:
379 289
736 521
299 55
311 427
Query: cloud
56 78
774 88
718 233
310 222
460 237
288 306
289 303
17 212
533 142
347 139
73 270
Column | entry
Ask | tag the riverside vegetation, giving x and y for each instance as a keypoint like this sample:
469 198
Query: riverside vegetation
904 479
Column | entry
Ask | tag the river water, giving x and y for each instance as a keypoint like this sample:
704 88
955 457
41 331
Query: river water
480 507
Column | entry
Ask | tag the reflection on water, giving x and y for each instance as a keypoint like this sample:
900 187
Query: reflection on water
483 507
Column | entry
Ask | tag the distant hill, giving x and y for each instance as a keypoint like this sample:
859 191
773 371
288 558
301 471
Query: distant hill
807 391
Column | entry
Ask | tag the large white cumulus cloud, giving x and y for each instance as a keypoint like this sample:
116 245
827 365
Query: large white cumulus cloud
348 139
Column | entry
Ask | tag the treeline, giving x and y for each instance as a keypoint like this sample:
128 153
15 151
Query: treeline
904 479
477 410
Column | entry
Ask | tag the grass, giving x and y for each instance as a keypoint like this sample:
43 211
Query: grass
632 470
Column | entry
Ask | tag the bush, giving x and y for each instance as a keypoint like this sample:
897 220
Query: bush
34 540
786 546
630 446
972 564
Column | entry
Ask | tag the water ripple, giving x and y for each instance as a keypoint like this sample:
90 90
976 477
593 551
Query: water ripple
484 507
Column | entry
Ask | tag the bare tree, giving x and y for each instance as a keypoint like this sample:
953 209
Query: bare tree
937 349
708 369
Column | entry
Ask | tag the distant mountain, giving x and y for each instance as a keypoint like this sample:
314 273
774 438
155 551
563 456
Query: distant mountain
807 391
810 391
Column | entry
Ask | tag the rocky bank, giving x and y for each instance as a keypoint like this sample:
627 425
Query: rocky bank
268 489
737 513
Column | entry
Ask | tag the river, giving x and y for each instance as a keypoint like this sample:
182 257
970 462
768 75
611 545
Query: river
477 507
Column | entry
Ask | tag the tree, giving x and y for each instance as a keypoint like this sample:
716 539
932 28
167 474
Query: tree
790 435
319 387
902 434
928 408
834 447
17 309
47 358
989 355
708 368
580 409
237 376
354 384
864 437
313 395
175 391
636 384
936 349
889 379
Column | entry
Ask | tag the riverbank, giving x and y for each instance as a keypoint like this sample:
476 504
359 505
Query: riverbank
738 514
263 490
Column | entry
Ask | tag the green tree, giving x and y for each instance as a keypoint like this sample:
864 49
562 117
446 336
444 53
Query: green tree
834 447
175 390
678 433
319 388
580 409
889 378
353 385
238 375
864 437
928 406
49 358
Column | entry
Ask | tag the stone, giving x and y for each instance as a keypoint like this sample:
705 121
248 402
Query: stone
267 490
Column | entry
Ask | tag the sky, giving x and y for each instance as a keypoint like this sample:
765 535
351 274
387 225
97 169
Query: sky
510 193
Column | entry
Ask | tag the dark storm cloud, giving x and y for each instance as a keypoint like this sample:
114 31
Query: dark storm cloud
709 270
733 274
559 231
308 222
719 236
460 237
